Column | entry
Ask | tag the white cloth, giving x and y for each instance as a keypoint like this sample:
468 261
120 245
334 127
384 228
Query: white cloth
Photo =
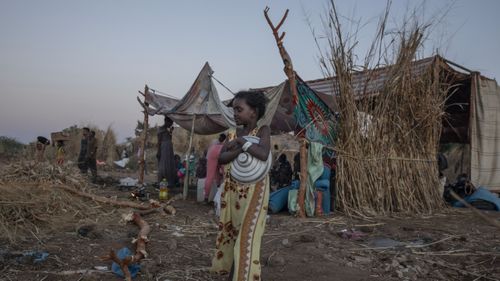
200 189
217 200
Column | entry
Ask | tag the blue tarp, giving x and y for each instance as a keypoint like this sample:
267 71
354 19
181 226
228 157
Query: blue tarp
480 194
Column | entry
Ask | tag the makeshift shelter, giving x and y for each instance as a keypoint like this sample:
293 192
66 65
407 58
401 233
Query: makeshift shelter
210 115
202 112
471 112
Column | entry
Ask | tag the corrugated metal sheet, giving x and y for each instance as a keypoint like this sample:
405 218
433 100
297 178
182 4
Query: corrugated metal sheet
366 82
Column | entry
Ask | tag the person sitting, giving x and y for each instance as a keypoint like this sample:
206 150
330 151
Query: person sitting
283 172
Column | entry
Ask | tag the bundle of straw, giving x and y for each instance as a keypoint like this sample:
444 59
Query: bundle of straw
28 210
387 143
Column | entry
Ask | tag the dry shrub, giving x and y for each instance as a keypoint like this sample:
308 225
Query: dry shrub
43 173
180 140
38 209
106 151
387 143
31 204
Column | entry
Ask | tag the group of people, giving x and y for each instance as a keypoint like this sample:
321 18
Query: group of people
88 153
40 145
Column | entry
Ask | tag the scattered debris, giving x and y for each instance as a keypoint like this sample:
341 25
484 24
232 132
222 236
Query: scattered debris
89 231
124 258
118 266
351 234
128 181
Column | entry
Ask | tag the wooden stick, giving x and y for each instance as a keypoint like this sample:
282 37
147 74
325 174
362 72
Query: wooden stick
287 61
142 161
105 200
290 73
140 247
64 272
122 263
142 238
476 211
303 179
188 154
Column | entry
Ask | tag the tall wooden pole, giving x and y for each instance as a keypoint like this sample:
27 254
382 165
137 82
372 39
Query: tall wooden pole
186 178
144 138
290 73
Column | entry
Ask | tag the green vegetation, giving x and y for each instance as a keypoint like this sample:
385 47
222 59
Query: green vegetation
10 146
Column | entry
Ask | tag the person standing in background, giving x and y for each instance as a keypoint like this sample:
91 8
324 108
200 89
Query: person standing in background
82 161
60 152
165 154
92 156
214 170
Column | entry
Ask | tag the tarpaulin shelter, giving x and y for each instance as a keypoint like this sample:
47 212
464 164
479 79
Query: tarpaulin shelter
205 113
202 112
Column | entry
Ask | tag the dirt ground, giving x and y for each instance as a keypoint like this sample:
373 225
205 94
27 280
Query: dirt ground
454 245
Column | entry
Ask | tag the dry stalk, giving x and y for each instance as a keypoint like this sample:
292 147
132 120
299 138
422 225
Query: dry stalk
29 210
387 140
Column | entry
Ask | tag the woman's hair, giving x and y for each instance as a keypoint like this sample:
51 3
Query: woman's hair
167 121
222 137
282 158
255 99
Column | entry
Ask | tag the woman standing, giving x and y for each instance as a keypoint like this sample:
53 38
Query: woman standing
213 168
243 206
165 154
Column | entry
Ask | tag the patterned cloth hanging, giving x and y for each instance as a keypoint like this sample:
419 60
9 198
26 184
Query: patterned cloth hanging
314 119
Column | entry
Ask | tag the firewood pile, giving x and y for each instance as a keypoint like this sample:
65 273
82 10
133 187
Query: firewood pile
43 173
32 206
36 210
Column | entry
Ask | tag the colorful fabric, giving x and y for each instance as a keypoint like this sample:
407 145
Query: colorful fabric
60 155
314 171
213 168
241 226
314 119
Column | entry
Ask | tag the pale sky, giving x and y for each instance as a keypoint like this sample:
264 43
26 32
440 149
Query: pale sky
65 62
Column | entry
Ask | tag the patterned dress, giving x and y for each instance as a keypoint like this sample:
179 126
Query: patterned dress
241 226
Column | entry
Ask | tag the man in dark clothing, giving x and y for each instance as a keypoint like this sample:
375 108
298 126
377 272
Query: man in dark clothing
91 155
82 160
165 154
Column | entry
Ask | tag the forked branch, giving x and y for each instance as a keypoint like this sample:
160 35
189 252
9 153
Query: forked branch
287 61
290 73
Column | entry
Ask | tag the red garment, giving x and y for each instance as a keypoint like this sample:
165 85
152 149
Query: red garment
213 167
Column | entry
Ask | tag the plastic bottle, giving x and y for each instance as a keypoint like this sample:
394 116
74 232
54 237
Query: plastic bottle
163 190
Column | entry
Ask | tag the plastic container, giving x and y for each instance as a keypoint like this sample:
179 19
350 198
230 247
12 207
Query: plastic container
163 194
200 190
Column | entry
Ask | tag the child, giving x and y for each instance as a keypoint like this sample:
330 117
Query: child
60 152
243 206
201 174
